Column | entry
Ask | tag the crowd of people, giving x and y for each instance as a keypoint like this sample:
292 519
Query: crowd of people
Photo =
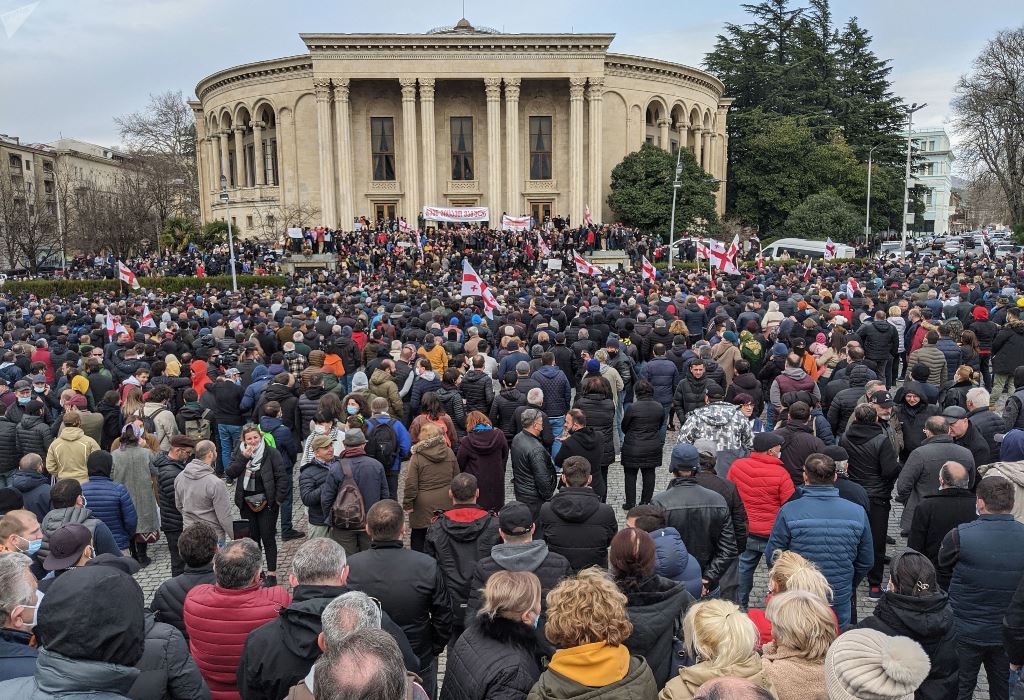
791 406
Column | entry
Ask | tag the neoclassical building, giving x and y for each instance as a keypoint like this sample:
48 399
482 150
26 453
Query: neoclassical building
381 125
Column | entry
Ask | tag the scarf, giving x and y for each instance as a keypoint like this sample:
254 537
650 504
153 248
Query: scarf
254 464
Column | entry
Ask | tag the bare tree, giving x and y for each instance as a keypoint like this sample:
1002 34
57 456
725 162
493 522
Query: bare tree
985 202
162 139
122 221
270 224
989 114
28 226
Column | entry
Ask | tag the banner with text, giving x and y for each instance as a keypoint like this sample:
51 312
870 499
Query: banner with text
515 223
455 214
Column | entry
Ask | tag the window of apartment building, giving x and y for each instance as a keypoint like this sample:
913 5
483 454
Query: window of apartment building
28 164
47 166
14 160
270 161
248 221
462 148
270 221
540 148
48 187
382 145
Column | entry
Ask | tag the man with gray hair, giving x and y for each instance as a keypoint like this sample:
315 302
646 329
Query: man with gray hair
366 666
281 652
19 606
938 513
533 472
987 421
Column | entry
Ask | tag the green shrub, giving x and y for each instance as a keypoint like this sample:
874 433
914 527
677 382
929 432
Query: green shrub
68 288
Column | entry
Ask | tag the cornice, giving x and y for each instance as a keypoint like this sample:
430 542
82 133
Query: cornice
402 44
261 71
637 66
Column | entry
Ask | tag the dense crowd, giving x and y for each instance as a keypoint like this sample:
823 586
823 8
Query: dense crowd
797 404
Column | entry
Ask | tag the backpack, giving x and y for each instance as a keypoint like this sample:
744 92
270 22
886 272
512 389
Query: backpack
268 438
348 512
149 422
382 444
199 428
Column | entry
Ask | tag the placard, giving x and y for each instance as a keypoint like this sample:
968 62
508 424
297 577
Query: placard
455 214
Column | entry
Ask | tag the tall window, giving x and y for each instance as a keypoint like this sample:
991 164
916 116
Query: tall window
382 145
462 148
540 148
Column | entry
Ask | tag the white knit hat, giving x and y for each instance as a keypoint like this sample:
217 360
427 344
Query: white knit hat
865 664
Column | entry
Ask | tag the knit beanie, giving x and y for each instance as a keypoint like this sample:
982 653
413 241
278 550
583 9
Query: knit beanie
865 664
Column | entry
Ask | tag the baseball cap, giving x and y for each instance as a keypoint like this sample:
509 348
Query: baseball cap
883 399
954 412
515 518
684 456
66 546
705 446
38 379
320 441
354 437
766 441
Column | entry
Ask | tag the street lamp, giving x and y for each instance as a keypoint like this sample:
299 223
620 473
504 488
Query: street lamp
906 190
672 225
867 212
231 241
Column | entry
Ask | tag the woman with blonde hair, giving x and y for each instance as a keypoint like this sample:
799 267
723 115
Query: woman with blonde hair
498 655
586 620
679 328
724 642
428 477
790 572
803 626
132 403
954 392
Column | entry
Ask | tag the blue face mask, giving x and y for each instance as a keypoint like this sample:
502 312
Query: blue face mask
536 621
24 399
352 410
33 545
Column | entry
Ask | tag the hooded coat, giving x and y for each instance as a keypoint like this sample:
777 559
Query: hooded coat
637 682
34 488
577 525
723 424
873 463
199 495
644 444
655 605
68 453
600 413
428 477
1008 347
167 668
458 538
587 443
484 454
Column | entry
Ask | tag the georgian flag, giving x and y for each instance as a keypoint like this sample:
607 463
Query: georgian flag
647 269
542 246
730 267
702 251
760 260
851 287
807 271
114 326
472 285
126 275
403 226
830 249
586 215
582 266
718 256
147 317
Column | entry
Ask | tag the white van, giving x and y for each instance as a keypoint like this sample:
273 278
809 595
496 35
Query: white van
797 248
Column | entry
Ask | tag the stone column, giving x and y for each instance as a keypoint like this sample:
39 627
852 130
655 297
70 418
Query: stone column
411 171
213 152
707 151
225 159
322 88
663 135
427 142
595 176
576 84
240 180
697 141
681 130
492 88
514 178
259 161
343 132
287 150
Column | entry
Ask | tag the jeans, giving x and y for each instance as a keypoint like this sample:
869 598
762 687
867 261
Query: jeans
1015 680
878 518
346 383
842 610
749 559
262 529
1001 383
229 436
997 670
557 426
5 479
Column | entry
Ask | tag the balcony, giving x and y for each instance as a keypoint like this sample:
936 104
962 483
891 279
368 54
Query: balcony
48 174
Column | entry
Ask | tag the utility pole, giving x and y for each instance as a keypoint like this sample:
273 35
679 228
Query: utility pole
906 191
867 212
672 225
231 241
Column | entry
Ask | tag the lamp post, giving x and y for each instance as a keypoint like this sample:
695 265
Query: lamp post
231 241
867 209
906 191
672 225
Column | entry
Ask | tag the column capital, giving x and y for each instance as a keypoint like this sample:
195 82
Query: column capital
696 129
257 124
595 88
341 86
663 122
512 88
426 89
408 88
576 85
322 89
226 133
492 86
239 129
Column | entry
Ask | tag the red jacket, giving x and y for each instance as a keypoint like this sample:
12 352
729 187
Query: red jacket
764 485
43 355
218 620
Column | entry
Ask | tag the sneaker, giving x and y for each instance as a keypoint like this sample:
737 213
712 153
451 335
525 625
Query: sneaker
269 581
288 535
875 592
230 481
627 506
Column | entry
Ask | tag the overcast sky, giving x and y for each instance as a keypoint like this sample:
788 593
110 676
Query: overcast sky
70 66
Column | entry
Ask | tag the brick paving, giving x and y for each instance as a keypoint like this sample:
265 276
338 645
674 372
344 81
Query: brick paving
151 577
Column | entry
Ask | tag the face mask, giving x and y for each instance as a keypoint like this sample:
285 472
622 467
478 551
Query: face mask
24 399
352 410
34 609
536 621
84 502
320 430
39 389
33 545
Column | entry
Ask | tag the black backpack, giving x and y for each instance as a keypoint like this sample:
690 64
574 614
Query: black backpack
382 443
149 422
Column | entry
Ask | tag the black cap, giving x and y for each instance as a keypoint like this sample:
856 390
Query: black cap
883 399
515 518
66 546
837 453
766 441
954 412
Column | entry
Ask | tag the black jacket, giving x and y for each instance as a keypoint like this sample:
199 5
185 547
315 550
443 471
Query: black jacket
273 474
643 445
412 590
167 668
34 488
533 473
873 463
312 477
9 454
1013 627
227 399
586 443
912 419
655 605
1008 348
503 411
307 405
578 526
34 436
284 396
936 515
928 621
799 441
727 490
600 413
458 538
451 399
167 470
988 423
169 599
279 654
689 394
477 389
702 518
494 658
881 340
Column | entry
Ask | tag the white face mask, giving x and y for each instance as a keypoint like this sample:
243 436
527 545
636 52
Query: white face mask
34 609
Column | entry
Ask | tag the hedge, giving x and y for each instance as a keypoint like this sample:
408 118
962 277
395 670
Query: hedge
68 288
752 264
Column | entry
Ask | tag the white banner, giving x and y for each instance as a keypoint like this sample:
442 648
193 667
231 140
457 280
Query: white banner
294 232
554 263
515 223
455 214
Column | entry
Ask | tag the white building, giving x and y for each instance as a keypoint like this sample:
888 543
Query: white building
934 170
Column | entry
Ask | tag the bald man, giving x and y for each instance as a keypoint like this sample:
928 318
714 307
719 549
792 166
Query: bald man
938 513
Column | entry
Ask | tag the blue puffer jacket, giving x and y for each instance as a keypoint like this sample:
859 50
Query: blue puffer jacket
989 564
829 531
110 502
35 490
663 377
260 378
674 562
556 388
954 355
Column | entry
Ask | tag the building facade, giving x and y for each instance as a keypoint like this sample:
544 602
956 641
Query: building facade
381 125
935 171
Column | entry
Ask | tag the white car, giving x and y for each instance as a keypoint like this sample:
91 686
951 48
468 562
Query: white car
1006 249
